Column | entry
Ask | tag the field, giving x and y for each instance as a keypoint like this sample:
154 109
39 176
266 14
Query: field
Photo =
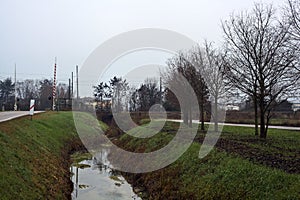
241 166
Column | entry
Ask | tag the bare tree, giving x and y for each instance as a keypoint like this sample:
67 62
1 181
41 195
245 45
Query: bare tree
210 64
292 17
197 80
45 94
62 91
99 94
170 101
181 65
6 92
26 90
134 101
260 60
148 94
173 81
292 11
119 89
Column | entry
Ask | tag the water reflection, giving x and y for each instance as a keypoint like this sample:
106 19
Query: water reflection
94 179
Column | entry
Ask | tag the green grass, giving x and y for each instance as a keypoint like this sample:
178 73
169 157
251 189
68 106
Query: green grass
32 165
282 141
224 176
221 174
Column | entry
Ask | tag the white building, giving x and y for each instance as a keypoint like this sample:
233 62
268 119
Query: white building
232 107
296 107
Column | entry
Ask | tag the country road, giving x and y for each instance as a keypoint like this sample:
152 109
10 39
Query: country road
244 125
9 115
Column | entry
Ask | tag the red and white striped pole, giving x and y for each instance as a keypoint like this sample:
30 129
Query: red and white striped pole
54 87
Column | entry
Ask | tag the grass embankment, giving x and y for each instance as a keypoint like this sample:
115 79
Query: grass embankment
35 156
241 166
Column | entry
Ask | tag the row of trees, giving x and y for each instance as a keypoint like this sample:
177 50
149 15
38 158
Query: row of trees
202 68
40 90
260 58
104 92
119 96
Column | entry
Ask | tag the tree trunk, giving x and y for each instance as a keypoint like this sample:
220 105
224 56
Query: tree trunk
262 119
216 114
191 118
185 117
262 126
202 113
255 115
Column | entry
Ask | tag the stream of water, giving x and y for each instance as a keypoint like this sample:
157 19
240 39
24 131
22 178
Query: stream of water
95 180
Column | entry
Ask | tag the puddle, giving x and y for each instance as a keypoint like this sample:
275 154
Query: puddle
93 179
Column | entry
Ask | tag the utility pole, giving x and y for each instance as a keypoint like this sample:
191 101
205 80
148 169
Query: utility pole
77 82
57 100
54 87
15 106
72 85
160 90
69 89
160 86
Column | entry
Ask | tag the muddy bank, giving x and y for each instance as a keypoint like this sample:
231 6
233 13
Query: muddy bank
71 146
287 163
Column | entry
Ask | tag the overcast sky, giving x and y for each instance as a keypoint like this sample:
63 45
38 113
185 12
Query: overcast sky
34 32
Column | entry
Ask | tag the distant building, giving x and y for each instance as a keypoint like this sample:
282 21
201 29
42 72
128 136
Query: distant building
284 106
296 107
232 107
104 105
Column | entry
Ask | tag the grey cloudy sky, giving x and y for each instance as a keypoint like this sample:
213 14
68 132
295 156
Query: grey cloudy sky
33 32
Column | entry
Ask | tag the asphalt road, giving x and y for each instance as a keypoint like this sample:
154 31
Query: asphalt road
9 115
245 125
